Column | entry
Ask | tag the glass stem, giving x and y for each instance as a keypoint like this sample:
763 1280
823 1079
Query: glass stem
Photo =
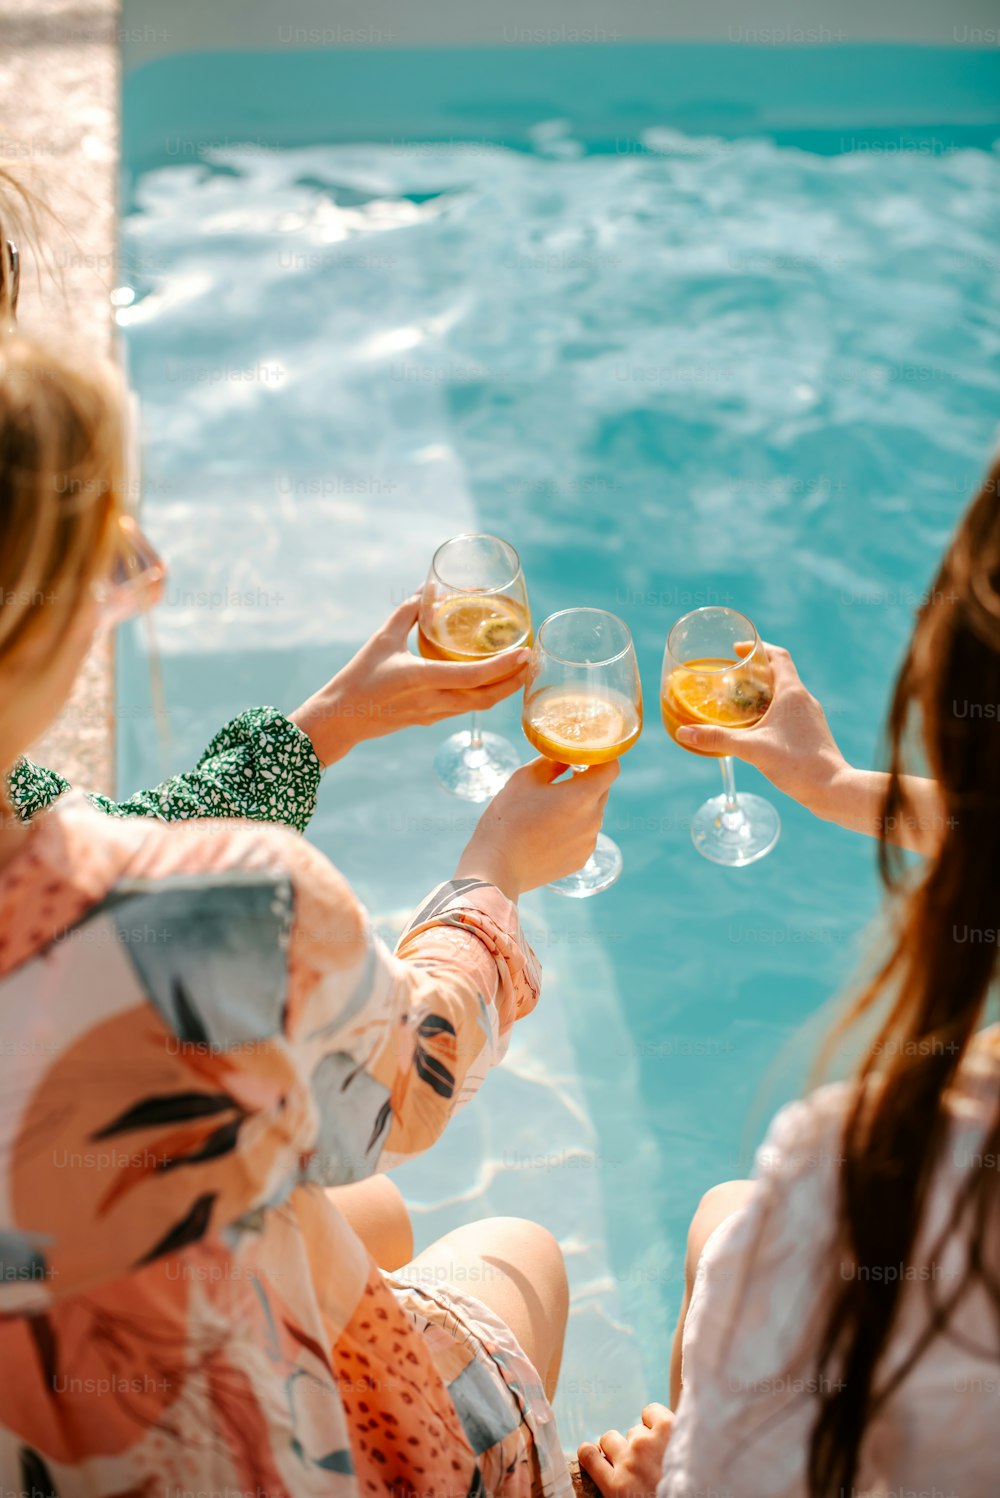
475 734
591 863
731 810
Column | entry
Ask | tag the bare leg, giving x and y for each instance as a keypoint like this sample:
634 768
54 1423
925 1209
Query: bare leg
715 1206
516 1268
375 1209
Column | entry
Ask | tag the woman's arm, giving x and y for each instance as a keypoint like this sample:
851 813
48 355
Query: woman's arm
855 799
263 766
264 1037
31 788
793 746
396 1043
384 688
260 767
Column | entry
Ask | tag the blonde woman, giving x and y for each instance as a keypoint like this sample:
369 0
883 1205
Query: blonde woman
264 765
200 1033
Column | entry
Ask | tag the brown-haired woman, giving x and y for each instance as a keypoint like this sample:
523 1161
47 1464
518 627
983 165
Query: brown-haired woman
840 1332
200 1033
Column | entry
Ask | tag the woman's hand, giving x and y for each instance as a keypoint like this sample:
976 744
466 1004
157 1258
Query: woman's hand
534 831
630 1466
792 744
385 688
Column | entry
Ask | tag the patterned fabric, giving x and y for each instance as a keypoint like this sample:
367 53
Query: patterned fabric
469 1343
752 1329
260 767
200 1032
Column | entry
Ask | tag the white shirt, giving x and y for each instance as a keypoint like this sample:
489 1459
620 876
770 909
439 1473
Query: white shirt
756 1313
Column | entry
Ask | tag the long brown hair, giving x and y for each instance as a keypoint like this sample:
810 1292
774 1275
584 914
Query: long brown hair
936 981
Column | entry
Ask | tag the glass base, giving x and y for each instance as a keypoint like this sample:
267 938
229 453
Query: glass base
599 872
735 838
475 773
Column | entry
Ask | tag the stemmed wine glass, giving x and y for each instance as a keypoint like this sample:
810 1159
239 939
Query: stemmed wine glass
716 670
474 605
583 706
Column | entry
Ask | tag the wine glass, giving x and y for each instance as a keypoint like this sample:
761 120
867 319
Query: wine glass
474 605
716 670
583 706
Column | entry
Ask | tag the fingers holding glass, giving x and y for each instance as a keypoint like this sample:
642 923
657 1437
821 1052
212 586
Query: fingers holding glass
716 673
474 606
583 707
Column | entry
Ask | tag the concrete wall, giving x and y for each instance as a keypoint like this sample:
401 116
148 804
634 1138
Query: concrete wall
59 136
152 28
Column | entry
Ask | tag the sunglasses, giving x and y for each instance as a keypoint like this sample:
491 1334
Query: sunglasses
137 576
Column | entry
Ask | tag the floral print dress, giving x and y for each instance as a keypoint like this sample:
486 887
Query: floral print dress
201 1032
260 766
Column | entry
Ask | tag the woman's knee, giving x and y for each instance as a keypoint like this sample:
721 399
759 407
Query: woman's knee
516 1236
534 1295
517 1268
522 1247
521 1251
508 1238
375 1209
398 1215
718 1203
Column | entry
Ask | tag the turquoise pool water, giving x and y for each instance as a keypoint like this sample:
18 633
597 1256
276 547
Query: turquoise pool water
677 353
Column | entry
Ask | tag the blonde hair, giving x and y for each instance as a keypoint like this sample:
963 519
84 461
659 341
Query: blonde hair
61 461
61 488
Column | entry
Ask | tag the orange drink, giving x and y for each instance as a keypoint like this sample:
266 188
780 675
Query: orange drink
716 672
474 605
577 726
469 627
715 690
583 707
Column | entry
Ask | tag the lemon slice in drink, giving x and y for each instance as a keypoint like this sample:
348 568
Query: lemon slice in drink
574 720
457 624
478 626
719 699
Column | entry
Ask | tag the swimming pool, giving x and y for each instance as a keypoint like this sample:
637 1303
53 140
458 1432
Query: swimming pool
684 333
